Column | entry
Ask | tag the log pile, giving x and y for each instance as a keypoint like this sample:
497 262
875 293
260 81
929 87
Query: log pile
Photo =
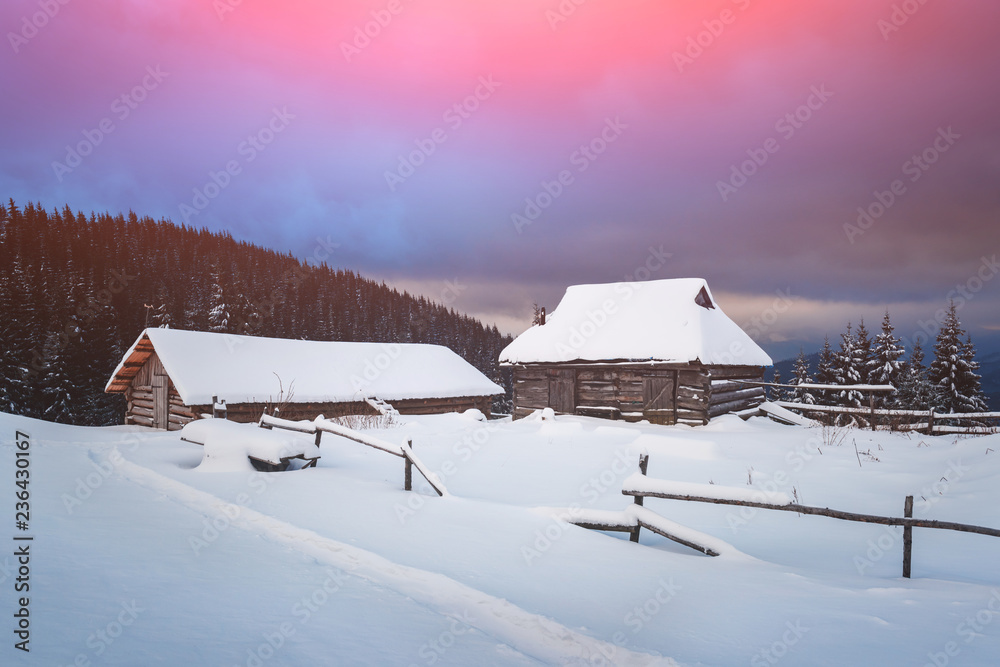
733 397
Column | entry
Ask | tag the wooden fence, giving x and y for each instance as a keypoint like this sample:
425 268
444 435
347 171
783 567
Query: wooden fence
404 451
637 487
927 421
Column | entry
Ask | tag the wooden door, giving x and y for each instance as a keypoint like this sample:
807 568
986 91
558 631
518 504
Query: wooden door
658 399
160 406
562 390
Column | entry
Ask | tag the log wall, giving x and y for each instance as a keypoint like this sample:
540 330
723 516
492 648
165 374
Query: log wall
662 394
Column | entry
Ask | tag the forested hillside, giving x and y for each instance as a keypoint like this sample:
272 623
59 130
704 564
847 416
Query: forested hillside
76 291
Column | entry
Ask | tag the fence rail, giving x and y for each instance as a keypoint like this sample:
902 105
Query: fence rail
639 487
928 417
404 451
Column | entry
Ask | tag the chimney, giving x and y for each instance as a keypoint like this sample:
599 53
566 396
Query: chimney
543 317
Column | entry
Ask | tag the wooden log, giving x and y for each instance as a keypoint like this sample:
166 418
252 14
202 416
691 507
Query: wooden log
142 395
835 514
177 419
723 387
182 412
143 412
718 409
692 404
144 387
142 403
141 421
708 551
729 396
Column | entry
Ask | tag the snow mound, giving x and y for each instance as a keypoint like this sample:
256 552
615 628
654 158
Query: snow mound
229 446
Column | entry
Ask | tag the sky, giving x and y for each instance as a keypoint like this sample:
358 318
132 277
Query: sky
816 162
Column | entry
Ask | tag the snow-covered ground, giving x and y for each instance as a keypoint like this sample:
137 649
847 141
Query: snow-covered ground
140 558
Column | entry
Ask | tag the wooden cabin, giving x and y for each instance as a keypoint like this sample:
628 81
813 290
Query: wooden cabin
170 377
661 350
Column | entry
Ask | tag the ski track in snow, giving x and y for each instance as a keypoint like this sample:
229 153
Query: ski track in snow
530 634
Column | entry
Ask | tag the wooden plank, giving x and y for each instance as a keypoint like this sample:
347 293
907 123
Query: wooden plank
160 401
144 412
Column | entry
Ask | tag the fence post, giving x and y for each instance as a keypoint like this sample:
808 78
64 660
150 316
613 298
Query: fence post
930 422
871 407
643 465
408 468
907 537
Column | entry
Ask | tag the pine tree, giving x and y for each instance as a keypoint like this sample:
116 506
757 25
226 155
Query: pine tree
776 393
885 365
161 316
953 371
801 376
826 371
915 389
847 371
862 352
219 309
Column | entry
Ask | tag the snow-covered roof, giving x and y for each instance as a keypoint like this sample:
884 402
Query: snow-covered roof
668 321
242 369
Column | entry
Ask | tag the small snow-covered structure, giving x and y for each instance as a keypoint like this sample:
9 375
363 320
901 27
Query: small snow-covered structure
661 350
169 378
